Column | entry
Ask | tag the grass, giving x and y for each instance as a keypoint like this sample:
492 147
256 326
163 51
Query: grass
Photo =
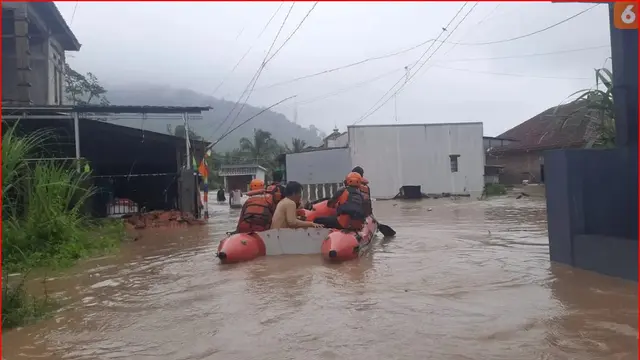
43 222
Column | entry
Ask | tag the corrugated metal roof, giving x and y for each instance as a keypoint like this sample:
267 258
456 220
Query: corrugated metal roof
567 125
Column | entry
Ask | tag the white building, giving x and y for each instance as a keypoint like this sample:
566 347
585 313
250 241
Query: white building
440 158
431 158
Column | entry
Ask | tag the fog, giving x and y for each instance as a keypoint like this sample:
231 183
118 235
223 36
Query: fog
196 45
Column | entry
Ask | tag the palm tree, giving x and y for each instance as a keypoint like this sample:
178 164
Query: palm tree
297 145
600 99
261 148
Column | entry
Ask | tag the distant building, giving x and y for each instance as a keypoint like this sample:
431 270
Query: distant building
427 158
35 39
567 126
336 139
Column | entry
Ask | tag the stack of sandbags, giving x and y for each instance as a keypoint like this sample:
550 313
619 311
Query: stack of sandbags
160 218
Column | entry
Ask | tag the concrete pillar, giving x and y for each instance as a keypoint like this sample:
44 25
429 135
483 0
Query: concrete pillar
23 68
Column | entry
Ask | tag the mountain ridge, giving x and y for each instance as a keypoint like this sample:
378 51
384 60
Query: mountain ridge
282 129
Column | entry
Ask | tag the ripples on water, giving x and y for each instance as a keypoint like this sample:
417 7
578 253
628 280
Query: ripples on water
468 280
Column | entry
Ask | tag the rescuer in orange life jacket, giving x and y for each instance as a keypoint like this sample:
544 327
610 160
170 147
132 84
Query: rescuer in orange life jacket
257 211
349 205
365 190
276 189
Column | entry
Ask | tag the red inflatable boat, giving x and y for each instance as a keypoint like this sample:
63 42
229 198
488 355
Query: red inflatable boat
332 244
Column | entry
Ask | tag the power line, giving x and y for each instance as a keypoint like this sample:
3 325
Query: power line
254 79
415 47
511 74
369 112
267 60
293 32
345 66
258 73
248 50
357 85
246 121
529 34
530 55
73 14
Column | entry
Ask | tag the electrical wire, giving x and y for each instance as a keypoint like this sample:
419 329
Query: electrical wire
248 50
246 121
73 14
413 48
529 34
511 74
293 32
362 118
254 79
267 60
529 55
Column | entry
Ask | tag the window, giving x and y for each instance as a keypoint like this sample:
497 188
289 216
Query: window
453 159
56 79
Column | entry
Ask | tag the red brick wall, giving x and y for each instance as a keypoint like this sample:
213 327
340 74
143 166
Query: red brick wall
518 166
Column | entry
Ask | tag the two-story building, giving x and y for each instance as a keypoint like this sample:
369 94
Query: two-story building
35 38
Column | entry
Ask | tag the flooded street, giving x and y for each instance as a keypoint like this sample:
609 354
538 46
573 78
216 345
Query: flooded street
468 280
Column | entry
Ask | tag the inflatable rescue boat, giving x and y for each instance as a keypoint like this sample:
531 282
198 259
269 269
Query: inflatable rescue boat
334 245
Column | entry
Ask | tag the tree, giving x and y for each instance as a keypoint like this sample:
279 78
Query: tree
261 149
297 146
84 89
600 99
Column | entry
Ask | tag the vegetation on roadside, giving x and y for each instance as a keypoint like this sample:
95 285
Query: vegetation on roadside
494 190
600 99
44 225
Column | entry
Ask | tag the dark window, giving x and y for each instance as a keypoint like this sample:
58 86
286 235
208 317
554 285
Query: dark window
453 159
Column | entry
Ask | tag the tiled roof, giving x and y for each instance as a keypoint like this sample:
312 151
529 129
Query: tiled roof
567 125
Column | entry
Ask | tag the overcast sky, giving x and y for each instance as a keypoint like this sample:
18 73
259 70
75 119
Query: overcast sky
195 46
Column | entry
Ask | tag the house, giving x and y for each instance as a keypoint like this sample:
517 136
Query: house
570 125
35 39
492 172
335 139
423 158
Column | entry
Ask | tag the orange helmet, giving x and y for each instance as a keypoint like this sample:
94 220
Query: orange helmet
353 179
256 184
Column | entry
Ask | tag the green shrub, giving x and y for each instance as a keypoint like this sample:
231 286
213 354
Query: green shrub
494 190
43 220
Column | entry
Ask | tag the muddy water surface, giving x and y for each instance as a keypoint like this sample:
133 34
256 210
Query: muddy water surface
467 280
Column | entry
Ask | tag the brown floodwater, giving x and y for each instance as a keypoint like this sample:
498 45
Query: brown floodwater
467 280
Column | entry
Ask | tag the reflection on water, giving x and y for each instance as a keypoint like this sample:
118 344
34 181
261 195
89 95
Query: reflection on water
467 280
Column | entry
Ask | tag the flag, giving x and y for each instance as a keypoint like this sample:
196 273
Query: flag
202 169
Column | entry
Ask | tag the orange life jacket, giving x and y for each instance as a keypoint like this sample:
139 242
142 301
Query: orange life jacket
350 202
366 196
256 214
277 192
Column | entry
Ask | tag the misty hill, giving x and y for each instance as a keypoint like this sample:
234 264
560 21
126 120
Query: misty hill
281 128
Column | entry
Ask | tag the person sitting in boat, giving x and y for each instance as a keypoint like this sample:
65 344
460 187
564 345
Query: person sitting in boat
276 189
349 204
257 211
365 190
285 215
220 196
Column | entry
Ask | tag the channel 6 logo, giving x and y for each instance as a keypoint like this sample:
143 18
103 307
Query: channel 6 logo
625 15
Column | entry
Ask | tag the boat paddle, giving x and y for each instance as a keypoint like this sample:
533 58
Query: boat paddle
386 230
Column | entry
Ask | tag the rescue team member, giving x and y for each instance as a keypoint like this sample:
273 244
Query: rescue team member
275 189
366 191
257 211
348 202
286 210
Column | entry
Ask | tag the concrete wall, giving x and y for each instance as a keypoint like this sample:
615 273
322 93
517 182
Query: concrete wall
319 167
592 209
397 155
